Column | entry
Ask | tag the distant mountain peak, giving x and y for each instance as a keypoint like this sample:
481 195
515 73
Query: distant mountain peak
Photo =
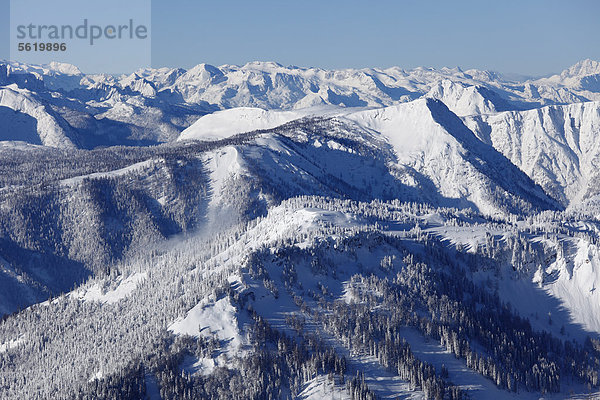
64 68
203 72
582 68
262 65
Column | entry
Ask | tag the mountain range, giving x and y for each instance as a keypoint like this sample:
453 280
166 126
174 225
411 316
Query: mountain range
263 231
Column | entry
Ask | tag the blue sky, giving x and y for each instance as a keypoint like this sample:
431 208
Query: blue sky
531 37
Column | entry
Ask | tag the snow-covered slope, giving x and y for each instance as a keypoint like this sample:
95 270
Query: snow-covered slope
418 152
583 76
54 75
424 147
223 124
467 100
31 121
557 146
226 123
574 279
294 269
432 141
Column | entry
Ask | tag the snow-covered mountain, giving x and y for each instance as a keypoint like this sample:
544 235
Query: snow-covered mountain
424 151
583 76
273 86
557 146
263 231
154 105
227 123
432 144
26 118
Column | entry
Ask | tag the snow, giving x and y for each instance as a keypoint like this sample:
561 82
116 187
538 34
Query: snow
425 146
124 288
429 139
64 68
202 366
11 344
434 152
224 166
556 146
578 284
217 319
132 99
98 375
462 99
153 99
226 123
32 122
16 145
52 67
139 85
321 388
77 180
409 127
385 384
563 291
573 77
470 237
273 86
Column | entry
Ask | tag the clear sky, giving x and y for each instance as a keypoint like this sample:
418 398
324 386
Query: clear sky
533 37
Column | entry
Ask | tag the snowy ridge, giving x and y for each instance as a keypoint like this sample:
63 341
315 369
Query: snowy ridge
271 85
223 124
124 288
230 122
428 138
131 169
466 100
556 146
41 128
583 76
422 146
578 271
